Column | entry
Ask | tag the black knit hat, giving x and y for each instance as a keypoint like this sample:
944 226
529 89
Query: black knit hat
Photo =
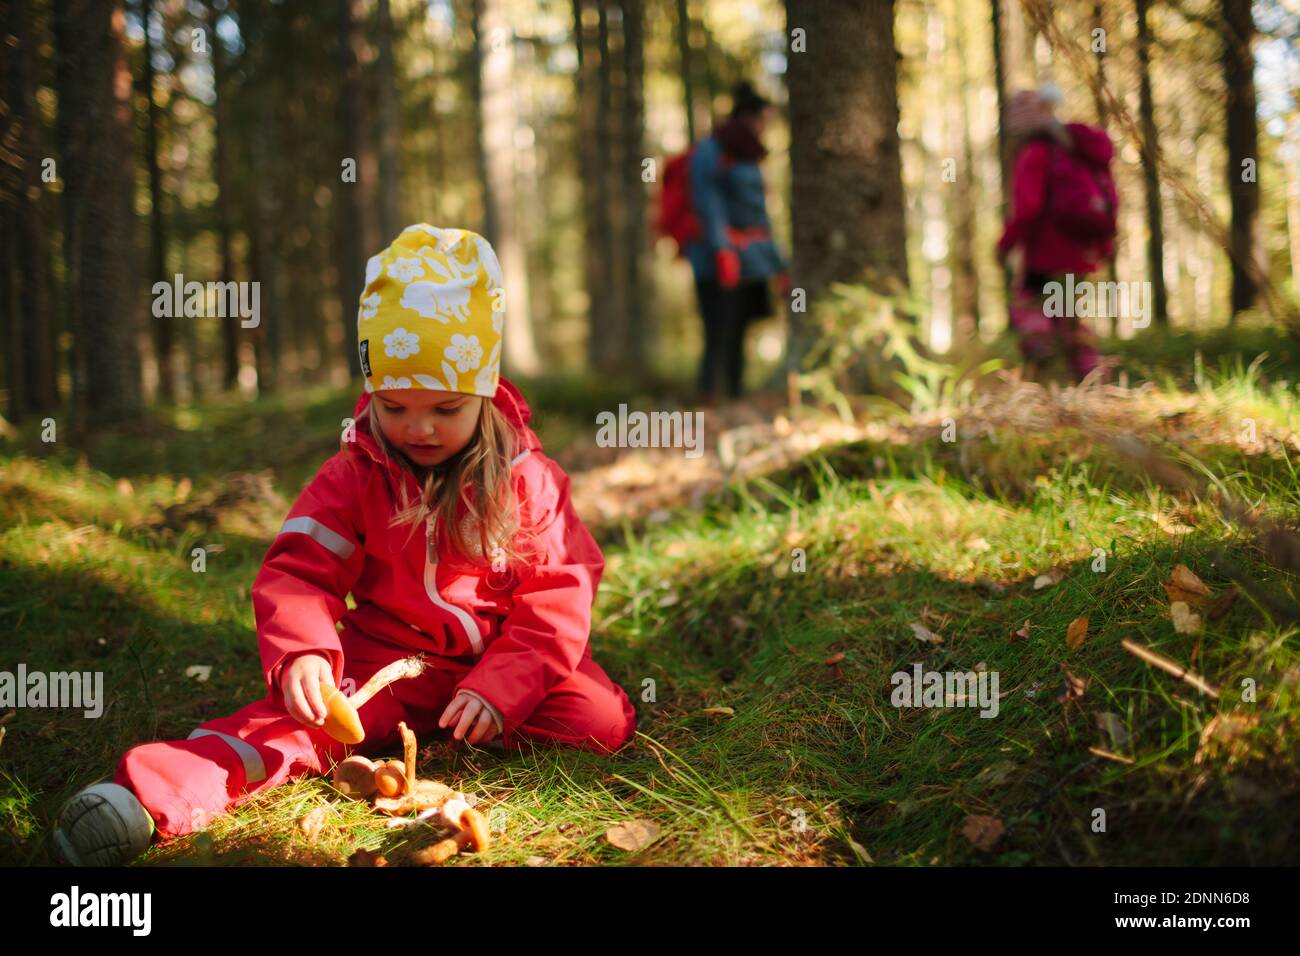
746 99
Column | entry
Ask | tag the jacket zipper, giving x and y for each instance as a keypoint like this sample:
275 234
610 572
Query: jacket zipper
431 588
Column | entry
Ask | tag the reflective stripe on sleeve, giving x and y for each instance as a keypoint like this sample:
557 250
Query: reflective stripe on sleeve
326 536
254 769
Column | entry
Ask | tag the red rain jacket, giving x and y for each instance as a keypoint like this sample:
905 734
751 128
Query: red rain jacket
523 635
1049 250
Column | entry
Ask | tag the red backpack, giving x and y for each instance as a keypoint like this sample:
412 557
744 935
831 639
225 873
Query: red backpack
676 217
1081 199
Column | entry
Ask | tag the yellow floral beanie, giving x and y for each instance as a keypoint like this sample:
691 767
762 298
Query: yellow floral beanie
432 312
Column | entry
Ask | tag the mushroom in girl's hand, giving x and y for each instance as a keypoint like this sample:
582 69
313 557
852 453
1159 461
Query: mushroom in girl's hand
341 719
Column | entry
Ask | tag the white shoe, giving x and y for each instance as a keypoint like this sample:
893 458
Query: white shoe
104 824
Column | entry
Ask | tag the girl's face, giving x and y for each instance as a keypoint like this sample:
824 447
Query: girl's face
428 426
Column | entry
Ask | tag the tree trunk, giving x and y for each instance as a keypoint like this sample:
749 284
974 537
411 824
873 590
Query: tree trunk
846 176
966 284
613 325
356 238
95 123
494 46
634 190
32 383
231 326
1151 171
684 51
595 243
1242 143
1000 87
390 216
163 331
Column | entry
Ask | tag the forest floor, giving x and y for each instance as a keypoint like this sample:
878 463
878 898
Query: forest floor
755 604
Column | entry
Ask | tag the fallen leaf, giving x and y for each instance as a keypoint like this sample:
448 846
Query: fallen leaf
834 659
364 857
923 633
1175 593
312 824
1185 621
124 488
536 861
1072 688
1114 730
1185 578
978 544
200 672
724 711
669 599
633 835
1077 632
1020 635
183 489
982 832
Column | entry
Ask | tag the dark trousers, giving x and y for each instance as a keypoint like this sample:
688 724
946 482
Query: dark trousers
726 314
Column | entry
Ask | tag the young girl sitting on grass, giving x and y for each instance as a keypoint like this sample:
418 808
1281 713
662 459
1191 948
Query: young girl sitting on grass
456 537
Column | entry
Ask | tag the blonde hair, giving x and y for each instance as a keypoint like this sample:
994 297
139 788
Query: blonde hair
471 488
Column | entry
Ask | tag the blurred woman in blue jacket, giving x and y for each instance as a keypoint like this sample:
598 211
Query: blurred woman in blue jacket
735 256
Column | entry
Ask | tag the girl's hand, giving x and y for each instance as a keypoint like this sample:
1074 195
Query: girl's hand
300 681
474 718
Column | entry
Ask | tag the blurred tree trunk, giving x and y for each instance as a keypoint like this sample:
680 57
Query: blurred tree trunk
163 326
611 328
966 284
495 121
1151 170
1000 87
263 243
355 240
632 349
390 216
30 346
231 326
1098 96
1242 145
595 236
684 51
846 173
95 138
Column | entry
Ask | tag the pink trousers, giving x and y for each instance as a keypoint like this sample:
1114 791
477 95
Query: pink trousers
185 784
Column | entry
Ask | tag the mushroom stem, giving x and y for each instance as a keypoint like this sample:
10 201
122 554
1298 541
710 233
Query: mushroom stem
409 747
406 667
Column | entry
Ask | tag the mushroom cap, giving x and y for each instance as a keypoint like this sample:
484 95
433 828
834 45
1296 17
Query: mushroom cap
341 719
355 776
390 779
476 824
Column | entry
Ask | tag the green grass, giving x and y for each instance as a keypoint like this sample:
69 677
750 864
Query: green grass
708 610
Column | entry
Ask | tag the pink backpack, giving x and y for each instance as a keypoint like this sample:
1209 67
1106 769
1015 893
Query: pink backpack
1081 199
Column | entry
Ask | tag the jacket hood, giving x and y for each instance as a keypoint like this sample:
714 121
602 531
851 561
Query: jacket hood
1091 144
508 400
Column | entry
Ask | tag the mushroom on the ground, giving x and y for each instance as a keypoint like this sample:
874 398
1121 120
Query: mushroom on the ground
355 776
391 779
